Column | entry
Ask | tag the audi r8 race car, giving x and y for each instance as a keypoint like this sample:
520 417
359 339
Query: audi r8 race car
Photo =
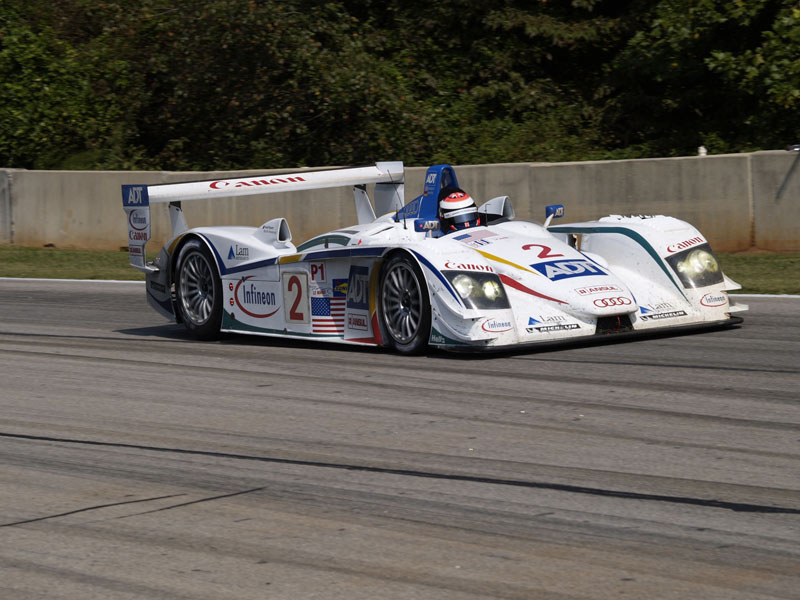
399 280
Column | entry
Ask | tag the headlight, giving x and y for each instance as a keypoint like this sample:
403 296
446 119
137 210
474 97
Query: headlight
465 285
478 290
696 267
492 290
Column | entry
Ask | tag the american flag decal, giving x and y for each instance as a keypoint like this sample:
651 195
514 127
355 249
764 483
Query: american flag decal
476 238
327 315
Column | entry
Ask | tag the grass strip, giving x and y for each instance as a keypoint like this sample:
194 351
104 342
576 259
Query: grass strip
58 263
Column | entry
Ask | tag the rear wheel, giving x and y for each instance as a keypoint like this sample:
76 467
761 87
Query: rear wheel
199 291
404 306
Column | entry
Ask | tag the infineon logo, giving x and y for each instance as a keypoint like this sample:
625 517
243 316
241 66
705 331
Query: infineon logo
255 300
138 220
495 325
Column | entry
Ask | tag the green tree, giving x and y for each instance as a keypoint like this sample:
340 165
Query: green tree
712 72
61 103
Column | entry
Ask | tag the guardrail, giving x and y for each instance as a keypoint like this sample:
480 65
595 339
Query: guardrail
739 201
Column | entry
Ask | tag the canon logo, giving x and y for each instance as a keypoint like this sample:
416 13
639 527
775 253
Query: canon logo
618 301
218 185
685 244
468 267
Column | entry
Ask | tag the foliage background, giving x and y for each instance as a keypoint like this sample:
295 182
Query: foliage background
217 84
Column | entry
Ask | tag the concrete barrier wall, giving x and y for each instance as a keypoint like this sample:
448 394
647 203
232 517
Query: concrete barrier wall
776 200
738 201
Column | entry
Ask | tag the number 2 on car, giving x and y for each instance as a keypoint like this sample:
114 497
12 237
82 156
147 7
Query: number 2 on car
295 297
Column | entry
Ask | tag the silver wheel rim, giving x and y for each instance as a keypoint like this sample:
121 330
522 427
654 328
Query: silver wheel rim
401 302
197 288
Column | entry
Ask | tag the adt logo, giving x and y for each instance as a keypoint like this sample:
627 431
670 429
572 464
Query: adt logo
431 178
135 195
556 270
358 288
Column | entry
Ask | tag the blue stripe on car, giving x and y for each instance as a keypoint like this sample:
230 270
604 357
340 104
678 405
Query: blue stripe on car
441 277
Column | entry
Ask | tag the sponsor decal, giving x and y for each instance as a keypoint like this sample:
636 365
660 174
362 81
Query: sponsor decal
607 302
327 315
159 287
437 338
547 319
411 208
138 225
135 250
358 288
357 321
320 292
238 252
420 225
685 244
138 220
549 328
218 185
496 326
713 300
134 195
430 178
478 238
666 315
340 288
656 307
597 289
468 267
253 299
556 270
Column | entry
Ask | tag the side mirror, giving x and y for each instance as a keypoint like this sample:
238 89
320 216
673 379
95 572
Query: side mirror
554 211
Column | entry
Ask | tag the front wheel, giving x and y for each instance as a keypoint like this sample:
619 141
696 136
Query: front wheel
404 306
199 291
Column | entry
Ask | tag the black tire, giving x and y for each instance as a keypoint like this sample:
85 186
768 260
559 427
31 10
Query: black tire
199 291
404 308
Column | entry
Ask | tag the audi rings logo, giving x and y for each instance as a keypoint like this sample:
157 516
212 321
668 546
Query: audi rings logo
618 301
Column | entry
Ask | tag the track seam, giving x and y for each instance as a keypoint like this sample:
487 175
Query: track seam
709 503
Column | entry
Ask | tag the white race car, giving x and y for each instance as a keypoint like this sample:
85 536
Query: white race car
398 280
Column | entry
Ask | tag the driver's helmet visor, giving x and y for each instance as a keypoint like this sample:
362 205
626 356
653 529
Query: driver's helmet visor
461 216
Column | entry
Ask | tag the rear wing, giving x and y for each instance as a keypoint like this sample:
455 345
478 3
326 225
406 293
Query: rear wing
388 178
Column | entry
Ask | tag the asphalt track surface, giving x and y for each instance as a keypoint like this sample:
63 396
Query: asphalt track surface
136 463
